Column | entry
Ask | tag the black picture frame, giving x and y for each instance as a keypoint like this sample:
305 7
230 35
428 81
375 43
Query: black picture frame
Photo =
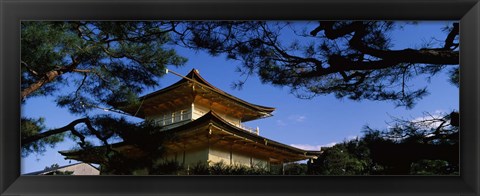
12 12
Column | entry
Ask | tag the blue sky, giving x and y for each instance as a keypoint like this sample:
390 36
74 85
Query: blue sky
308 124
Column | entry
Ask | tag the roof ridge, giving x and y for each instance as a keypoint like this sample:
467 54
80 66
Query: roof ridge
195 72
57 168
194 78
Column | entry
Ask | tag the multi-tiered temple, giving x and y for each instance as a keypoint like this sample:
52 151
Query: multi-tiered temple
207 123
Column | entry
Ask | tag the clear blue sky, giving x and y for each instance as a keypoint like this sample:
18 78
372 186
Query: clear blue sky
308 124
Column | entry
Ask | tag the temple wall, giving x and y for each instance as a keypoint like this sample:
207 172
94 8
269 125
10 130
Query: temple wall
260 162
217 155
199 111
192 157
241 159
210 155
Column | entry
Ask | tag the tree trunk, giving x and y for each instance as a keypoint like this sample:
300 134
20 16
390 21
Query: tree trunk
49 76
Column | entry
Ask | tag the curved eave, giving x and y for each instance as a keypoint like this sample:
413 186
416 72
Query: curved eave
212 117
123 106
207 119
194 75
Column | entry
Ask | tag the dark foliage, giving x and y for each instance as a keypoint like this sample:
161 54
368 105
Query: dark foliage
352 59
31 127
219 168
145 136
85 65
419 147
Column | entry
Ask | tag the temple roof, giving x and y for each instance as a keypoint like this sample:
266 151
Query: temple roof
184 91
46 171
211 128
213 119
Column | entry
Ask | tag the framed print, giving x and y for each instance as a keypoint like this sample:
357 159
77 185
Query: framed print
113 49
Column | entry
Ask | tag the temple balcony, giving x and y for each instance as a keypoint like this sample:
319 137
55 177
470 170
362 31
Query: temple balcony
249 129
182 117
174 120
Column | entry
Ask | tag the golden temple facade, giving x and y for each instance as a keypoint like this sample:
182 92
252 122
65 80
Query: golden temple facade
208 125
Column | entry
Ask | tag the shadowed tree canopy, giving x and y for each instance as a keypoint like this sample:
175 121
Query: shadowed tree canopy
352 59
31 128
85 65
104 61
115 61
419 143
427 146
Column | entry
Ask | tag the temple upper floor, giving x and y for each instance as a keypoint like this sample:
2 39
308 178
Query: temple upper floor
185 114
190 98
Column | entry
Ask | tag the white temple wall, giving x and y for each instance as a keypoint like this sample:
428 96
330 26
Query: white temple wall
192 157
216 155
241 159
237 158
199 111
